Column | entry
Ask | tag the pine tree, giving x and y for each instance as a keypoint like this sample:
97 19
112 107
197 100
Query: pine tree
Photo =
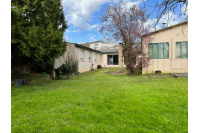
37 28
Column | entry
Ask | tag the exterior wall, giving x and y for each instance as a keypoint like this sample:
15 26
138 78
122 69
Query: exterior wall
74 52
69 52
121 58
86 64
104 60
172 35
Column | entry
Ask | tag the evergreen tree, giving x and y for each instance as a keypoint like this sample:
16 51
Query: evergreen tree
37 28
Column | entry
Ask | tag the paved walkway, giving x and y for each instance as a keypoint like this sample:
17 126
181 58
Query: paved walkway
180 75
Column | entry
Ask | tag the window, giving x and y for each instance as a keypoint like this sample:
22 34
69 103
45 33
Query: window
112 60
95 57
81 54
182 49
96 46
90 56
159 50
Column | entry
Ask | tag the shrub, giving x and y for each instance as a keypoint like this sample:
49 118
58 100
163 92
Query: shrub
70 66
44 74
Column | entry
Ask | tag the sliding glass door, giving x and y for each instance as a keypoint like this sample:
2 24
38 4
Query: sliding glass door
112 59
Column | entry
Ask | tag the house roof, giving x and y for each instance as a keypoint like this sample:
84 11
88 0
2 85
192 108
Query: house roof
93 50
166 28
86 45
93 42
109 51
86 48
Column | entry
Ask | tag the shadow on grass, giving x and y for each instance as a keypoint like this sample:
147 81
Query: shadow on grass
34 79
36 82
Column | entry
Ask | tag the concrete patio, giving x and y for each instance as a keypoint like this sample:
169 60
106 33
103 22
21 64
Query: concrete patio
179 75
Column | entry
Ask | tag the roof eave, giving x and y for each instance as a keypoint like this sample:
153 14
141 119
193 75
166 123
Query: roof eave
165 28
109 52
86 48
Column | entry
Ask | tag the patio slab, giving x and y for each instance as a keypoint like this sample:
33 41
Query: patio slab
180 75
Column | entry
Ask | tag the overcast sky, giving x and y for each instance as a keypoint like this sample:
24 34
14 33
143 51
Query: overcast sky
83 18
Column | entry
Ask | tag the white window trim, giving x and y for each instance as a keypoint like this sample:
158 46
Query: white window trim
82 59
90 57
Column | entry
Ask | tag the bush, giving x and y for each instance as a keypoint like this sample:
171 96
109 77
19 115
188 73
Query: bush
44 74
66 69
98 66
70 66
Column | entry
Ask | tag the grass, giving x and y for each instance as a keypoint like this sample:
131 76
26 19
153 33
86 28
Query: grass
101 103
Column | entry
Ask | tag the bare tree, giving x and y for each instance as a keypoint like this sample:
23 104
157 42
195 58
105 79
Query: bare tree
127 23
162 8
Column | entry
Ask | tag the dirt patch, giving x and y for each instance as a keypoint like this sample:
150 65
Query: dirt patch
116 72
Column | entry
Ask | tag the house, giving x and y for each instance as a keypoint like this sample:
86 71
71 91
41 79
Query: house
88 58
111 54
100 45
168 50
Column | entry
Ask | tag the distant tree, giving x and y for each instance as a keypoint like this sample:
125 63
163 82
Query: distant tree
127 24
37 28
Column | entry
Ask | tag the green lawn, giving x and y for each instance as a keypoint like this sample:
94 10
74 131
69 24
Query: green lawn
100 102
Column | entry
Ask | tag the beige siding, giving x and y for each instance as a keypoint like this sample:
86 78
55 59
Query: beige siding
104 60
69 52
86 64
121 59
172 35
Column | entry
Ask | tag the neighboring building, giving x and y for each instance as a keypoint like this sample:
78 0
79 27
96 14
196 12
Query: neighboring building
100 45
110 53
89 58
168 50
110 58
86 45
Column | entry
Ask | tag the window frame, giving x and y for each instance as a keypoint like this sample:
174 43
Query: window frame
182 50
96 46
95 57
113 60
157 50
90 56
82 59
